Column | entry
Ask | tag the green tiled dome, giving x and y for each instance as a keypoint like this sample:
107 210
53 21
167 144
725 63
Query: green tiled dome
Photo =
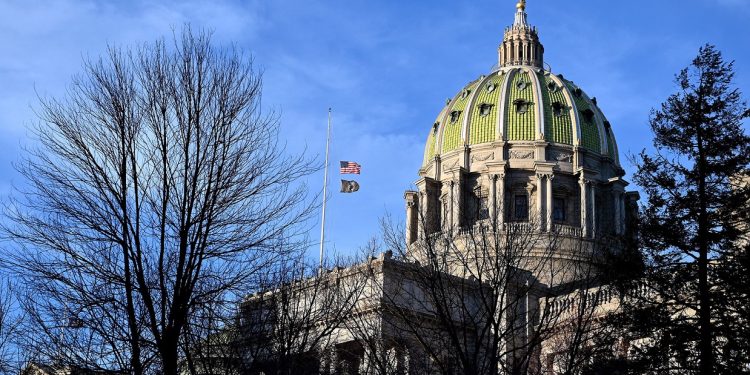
520 104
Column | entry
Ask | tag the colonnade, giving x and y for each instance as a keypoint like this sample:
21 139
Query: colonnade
451 203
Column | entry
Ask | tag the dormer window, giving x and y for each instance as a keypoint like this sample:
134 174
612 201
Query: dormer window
465 93
607 124
490 87
521 85
522 106
485 109
435 127
577 92
558 109
593 100
551 86
588 115
455 115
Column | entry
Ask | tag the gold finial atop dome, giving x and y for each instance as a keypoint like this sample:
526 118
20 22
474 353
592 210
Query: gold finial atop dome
521 44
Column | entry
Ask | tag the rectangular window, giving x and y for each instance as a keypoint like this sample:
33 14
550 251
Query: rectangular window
558 209
521 204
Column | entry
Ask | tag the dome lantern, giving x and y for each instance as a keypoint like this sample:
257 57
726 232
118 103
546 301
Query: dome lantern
521 44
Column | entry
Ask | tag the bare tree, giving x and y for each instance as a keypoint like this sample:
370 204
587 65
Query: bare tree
293 324
158 187
482 300
10 320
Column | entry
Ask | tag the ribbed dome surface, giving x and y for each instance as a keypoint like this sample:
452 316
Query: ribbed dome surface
520 104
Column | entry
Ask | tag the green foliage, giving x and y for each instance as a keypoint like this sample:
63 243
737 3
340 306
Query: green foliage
692 227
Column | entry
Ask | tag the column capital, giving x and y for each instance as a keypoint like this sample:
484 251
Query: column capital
585 181
544 174
496 167
496 176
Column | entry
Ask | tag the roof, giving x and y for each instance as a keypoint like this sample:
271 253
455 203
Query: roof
521 104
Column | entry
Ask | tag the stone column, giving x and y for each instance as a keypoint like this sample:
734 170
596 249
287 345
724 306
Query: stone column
583 183
426 198
412 216
454 201
446 204
631 207
592 212
493 198
616 204
455 195
422 225
365 366
406 361
497 198
501 199
540 200
457 201
621 203
548 207
329 363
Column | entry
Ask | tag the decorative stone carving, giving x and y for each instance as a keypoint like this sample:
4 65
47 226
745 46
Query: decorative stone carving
448 166
482 157
561 156
521 154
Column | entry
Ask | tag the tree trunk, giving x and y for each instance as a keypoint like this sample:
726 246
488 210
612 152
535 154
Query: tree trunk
704 313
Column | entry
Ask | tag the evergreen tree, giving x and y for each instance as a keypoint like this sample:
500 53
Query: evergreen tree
693 299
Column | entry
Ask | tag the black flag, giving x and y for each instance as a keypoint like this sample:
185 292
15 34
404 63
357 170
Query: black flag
349 186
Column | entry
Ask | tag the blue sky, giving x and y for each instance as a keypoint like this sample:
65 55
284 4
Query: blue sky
386 68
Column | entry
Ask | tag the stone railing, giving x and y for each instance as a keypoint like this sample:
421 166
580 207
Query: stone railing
597 296
592 298
567 230
485 227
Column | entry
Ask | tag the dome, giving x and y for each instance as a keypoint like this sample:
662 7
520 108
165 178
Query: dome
521 102
522 147
521 105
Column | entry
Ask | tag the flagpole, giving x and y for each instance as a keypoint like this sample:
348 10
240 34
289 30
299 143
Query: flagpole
325 191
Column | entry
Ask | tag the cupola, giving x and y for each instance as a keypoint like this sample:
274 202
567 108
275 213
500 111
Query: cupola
521 44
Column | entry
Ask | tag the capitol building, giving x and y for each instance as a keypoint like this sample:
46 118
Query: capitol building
520 205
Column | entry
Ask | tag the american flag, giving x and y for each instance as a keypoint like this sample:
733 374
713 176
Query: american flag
350 167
